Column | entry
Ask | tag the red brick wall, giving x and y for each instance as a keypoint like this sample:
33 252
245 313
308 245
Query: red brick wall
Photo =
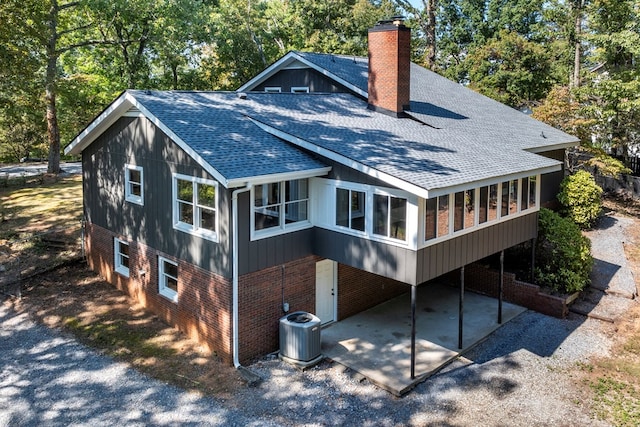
359 290
260 307
389 67
486 281
203 310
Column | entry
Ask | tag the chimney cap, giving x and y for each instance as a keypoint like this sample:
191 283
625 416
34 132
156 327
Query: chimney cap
397 20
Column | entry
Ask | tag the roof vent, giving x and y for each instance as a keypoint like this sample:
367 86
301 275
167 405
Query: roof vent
242 95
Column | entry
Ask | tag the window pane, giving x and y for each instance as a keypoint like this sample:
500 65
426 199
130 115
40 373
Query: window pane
493 202
458 213
398 218
207 195
185 190
134 176
357 210
513 196
171 283
170 269
267 217
469 208
296 190
124 261
524 194
380 214
207 219
185 213
532 191
135 189
296 211
123 248
342 207
443 216
505 199
430 219
267 194
484 200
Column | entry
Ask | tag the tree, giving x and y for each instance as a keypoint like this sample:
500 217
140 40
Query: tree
425 19
510 69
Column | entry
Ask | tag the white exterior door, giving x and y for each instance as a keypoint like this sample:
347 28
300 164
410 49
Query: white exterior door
326 290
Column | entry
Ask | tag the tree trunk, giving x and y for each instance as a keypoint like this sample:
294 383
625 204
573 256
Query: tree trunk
53 131
430 32
578 5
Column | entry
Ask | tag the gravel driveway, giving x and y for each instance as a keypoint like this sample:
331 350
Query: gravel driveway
520 376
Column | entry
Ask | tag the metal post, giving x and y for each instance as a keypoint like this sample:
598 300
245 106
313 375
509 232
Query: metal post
461 308
413 331
501 287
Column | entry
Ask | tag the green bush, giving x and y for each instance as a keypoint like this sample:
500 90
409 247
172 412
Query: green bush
580 197
563 254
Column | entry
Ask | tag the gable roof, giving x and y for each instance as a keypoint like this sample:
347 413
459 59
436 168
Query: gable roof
454 138
209 127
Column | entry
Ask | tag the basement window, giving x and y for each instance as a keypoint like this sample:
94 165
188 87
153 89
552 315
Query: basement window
133 184
121 257
168 279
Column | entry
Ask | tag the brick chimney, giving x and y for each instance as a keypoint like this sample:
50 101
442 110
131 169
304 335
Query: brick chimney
389 67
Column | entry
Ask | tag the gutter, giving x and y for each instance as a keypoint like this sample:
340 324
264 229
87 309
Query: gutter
234 219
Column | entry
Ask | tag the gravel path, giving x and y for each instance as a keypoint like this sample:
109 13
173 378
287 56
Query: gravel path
520 376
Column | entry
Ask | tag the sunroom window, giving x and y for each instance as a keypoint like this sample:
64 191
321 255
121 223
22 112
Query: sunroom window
350 209
280 205
390 216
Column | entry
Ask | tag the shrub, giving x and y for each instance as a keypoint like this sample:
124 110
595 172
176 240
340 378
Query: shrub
563 254
580 197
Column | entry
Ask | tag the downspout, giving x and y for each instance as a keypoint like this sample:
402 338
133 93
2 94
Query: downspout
234 218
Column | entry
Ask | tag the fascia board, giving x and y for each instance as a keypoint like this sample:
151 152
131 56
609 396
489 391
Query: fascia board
101 123
286 176
558 146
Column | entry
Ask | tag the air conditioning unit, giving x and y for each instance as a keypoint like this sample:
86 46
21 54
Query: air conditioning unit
300 337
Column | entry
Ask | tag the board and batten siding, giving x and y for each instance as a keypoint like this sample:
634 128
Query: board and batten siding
301 77
135 140
441 258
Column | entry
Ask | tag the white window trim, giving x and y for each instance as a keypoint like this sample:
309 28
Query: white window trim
300 89
412 218
162 288
189 228
477 226
272 89
118 267
139 200
283 228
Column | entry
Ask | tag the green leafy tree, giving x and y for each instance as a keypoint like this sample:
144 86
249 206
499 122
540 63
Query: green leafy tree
510 69
581 198
563 254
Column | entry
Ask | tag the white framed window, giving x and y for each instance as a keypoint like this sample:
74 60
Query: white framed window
280 207
168 279
121 257
390 216
463 211
300 89
273 89
351 209
134 184
195 202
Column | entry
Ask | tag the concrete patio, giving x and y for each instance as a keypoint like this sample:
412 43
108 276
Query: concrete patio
377 342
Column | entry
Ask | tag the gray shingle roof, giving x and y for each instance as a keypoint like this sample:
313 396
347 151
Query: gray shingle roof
212 125
353 69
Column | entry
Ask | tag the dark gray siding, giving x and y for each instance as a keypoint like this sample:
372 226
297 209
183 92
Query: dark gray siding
439 259
286 79
386 260
138 141
268 252
344 173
